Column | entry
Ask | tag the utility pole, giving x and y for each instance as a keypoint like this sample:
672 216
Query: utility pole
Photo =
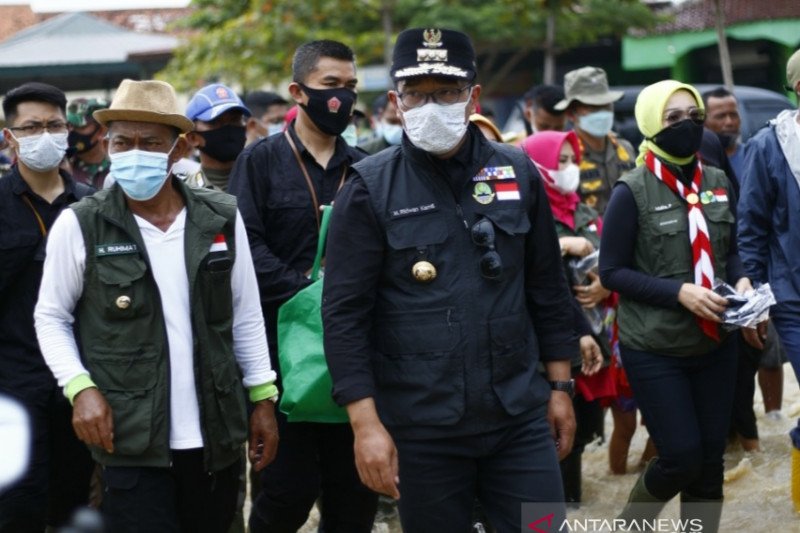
549 76
724 54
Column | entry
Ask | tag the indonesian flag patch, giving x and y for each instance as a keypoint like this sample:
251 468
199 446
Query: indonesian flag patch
219 244
720 195
507 190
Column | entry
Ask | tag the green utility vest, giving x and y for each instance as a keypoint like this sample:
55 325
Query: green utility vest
123 333
663 250
585 224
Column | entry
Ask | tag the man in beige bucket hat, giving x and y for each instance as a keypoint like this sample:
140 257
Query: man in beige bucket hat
589 106
159 281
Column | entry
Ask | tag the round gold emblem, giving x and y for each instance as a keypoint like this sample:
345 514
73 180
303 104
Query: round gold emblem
423 271
124 302
692 198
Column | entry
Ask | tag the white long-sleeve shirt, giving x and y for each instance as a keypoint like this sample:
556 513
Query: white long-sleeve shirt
62 286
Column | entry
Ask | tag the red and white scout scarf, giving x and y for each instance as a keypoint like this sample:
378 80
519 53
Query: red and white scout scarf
702 256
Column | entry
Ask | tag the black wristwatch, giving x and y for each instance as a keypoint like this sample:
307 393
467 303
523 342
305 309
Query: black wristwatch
564 386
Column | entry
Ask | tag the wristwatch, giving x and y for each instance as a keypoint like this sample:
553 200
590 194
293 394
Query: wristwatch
564 386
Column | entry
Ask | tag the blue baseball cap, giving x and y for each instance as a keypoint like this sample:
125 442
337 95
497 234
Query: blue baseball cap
213 100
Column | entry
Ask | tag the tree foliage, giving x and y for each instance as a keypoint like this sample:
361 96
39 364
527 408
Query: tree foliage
250 42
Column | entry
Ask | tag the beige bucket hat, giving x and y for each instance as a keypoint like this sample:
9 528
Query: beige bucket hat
145 101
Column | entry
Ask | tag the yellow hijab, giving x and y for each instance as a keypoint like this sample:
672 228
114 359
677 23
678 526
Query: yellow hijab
649 113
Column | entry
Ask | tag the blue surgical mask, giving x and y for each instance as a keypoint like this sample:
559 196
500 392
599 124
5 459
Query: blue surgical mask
274 129
597 124
350 135
141 174
392 133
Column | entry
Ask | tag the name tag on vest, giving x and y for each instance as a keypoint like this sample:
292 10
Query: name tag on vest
120 248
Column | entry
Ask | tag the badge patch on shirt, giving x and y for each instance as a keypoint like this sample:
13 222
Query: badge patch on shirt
720 195
219 244
409 211
495 173
591 185
483 193
507 190
117 248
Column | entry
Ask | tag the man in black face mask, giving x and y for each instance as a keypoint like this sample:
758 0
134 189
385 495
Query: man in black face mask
280 182
219 117
87 156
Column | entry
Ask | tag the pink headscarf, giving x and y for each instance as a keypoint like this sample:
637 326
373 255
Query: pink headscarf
544 149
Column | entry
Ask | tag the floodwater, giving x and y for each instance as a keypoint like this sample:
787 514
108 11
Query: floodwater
757 485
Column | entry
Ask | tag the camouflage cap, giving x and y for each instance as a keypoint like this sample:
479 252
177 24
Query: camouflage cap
79 110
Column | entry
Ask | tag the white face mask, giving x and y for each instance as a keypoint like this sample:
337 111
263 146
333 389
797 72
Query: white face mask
567 180
350 135
42 152
392 133
436 128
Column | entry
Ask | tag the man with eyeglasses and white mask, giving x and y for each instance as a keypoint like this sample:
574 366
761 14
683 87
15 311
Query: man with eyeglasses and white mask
443 291
32 195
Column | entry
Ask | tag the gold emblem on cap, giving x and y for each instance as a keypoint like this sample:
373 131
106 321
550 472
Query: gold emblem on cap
432 38
123 302
423 271
692 198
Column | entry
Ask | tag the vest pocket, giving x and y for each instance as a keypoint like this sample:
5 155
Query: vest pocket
128 380
122 288
215 287
513 371
420 376
670 245
232 415
719 219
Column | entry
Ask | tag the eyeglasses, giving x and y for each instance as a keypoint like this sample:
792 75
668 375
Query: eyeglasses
449 96
674 116
490 263
37 128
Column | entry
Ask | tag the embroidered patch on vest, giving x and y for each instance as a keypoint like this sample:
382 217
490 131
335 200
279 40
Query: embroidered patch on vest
118 248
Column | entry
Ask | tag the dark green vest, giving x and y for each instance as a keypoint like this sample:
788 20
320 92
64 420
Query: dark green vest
585 225
663 250
123 333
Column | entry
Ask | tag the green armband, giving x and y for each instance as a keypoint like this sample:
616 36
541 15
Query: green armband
262 392
76 385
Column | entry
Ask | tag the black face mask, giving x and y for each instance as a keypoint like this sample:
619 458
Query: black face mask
680 140
726 140
330 109
223 144
80 142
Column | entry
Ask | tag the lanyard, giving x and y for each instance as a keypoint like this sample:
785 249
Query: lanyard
310 184
42 228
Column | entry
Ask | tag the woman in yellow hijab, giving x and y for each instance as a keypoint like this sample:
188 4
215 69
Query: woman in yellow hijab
669 232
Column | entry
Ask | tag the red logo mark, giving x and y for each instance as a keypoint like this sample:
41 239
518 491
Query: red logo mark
546 518
334 104
221 92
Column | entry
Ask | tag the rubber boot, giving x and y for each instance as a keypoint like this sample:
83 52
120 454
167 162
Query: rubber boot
701 514
571 479
642 509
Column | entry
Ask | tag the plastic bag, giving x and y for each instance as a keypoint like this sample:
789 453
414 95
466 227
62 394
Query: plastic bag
744 310
578 270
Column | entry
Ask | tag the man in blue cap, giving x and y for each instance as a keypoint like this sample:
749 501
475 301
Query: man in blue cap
219 117
443 292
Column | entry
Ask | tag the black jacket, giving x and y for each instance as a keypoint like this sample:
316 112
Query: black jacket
22 249
458 355
278 213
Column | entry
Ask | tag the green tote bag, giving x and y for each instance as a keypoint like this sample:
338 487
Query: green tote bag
307 384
